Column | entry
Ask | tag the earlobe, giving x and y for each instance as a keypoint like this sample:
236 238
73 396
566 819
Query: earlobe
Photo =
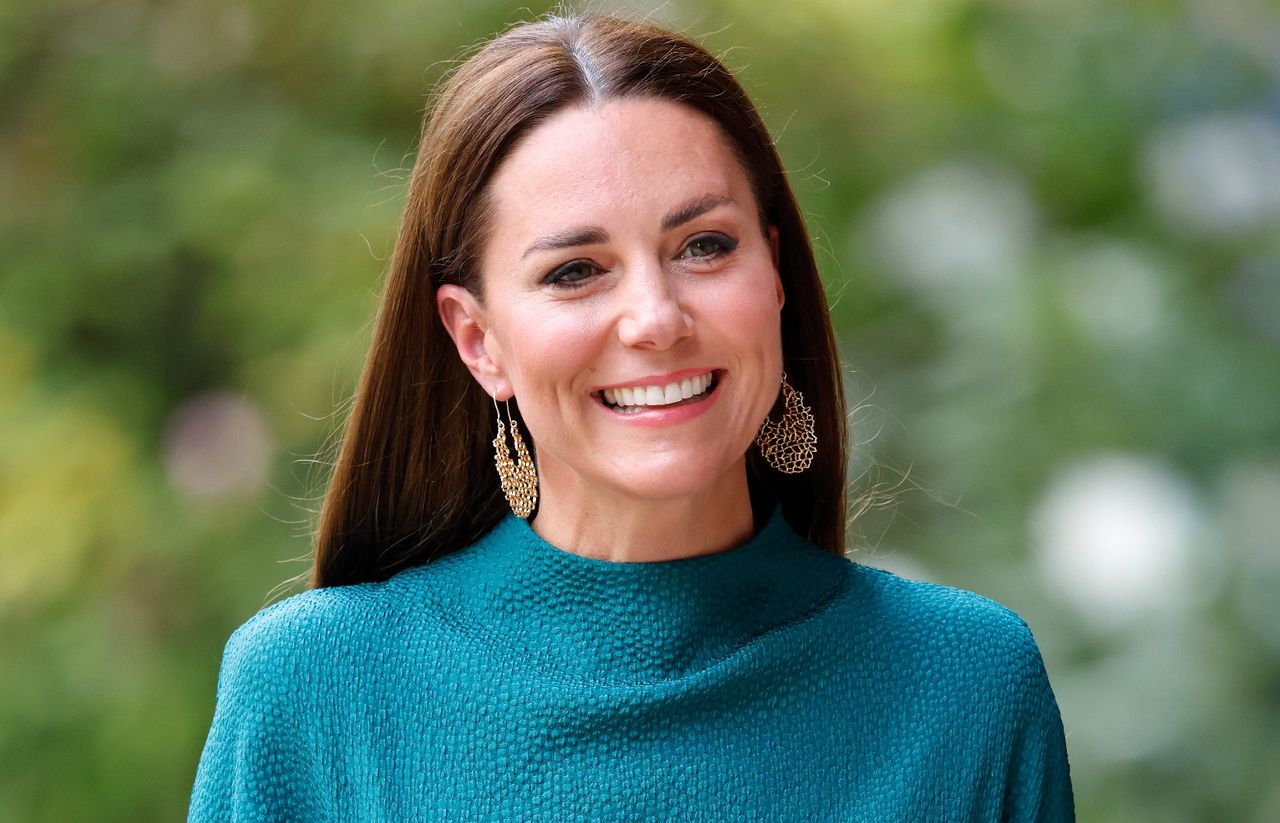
467 324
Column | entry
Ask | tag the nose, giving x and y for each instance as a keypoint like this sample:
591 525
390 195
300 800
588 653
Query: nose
652 315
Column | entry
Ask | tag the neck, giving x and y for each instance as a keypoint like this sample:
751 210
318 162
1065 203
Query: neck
604 524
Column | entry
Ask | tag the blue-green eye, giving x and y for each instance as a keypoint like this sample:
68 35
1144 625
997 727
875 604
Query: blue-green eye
708 246
570 275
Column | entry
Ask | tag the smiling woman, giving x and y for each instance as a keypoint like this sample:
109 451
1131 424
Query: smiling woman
674 278
600 237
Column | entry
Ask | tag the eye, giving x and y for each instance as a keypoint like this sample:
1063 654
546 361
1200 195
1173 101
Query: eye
570 275
708 246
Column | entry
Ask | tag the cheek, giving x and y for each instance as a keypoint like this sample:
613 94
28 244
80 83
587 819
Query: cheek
552 350
746 314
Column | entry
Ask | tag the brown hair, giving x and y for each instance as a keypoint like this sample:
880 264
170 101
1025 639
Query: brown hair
415 477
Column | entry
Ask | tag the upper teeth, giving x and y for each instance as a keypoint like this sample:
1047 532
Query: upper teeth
659 395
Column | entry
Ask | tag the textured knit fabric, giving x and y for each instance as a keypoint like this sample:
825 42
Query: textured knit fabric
516 681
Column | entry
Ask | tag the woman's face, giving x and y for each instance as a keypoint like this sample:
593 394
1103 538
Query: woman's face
626 263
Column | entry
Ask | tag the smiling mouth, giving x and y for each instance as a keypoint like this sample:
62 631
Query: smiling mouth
642 398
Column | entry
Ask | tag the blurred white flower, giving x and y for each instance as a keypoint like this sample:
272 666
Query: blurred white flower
1113 290
961 223
1115 536
1217 174
1250 503
217 445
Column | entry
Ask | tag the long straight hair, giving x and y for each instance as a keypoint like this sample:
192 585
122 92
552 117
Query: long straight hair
414 478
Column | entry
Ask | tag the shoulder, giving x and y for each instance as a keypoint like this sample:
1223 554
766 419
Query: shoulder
351 625
969 670
296 621
934 607
299 638
948 629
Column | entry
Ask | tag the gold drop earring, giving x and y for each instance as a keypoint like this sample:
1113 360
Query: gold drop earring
518 477
789 444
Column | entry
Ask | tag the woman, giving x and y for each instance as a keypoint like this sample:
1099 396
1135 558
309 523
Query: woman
582 554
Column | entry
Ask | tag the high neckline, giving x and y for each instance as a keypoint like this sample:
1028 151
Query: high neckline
586 618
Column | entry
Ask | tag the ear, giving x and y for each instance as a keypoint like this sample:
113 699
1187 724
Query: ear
465 320
777 276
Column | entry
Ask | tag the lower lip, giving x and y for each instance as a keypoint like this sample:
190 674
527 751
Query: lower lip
666 415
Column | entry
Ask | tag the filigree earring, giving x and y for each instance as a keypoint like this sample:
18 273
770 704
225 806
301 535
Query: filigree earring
789 444
519 478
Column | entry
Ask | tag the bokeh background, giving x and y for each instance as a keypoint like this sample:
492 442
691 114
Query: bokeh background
1048 229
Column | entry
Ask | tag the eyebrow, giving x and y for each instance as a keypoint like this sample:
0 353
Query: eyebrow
585 235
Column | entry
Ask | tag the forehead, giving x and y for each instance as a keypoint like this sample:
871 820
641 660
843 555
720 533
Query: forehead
626 157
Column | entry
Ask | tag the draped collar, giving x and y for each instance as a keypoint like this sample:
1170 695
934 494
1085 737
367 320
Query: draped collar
597 620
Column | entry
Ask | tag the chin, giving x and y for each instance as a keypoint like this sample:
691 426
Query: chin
690 476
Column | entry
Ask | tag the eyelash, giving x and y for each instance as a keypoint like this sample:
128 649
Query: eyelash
726 245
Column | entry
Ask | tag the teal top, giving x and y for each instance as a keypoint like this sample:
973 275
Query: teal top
517 681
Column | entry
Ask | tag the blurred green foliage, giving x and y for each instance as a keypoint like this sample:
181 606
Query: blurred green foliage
1049 232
